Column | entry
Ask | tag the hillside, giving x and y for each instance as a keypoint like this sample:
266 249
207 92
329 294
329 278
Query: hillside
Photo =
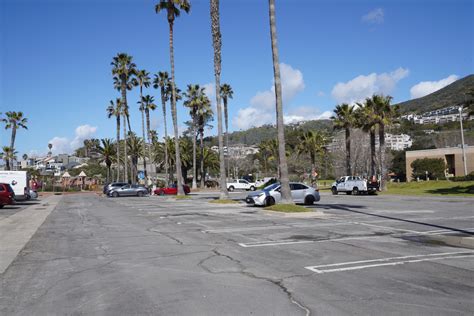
453 94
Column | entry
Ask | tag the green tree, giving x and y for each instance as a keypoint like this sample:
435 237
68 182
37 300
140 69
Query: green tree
344 118
107 154
148 106
433 167
217 45
115 109
192 95
173 9
398 165
13 121
8 156
124 71
312 143
143 80
367 121
226 94
135 148
162 81
283 166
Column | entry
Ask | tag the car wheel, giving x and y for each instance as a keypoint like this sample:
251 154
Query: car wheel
309 200
139 193
162 193
334 191
269 201
231 188
1 205
355 191
252 188
115 194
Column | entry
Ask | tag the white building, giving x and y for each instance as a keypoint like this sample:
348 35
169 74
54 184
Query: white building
398 142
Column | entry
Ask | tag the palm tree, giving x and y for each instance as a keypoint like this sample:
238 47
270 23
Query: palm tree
124 70
173 9
226 94
283 167
344 118
162 81
148 105
143 80
192 102
367 121
8 156
115 109
204 116
50 147
14 121
312 143
25 157
135 148
217 45
107 154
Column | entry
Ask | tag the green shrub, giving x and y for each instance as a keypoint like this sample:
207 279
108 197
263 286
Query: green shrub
434 166
469 177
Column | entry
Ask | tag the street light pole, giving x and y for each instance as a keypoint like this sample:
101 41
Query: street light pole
462 142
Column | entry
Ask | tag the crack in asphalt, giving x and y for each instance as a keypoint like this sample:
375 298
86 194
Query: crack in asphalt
152 230
277 282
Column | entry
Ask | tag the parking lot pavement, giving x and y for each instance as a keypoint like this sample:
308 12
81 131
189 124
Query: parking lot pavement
159 255
9 210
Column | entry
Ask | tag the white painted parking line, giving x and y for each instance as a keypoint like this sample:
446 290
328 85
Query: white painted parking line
274 243
364 264
389 228
244 229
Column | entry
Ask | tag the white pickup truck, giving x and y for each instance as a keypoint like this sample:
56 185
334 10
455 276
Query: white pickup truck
240 184
354 185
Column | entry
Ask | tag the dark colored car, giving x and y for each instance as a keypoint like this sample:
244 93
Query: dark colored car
173 190
128 190
113 185
7 196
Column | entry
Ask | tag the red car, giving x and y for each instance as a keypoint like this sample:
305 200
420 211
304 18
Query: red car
6 195
171 190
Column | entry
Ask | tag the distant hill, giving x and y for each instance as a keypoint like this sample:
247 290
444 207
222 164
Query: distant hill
453 94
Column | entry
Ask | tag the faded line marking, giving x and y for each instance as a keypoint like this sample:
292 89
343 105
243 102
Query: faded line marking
390 228
357 265
274 243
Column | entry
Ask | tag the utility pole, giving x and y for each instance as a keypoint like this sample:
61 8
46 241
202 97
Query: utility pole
462 142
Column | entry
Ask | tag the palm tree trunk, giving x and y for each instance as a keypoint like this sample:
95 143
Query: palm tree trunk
118 147
283 167
125 160
147 113
194 155
226 119
348 152
202 158
163 103
143 132
12 141
175 118
382 157
372 152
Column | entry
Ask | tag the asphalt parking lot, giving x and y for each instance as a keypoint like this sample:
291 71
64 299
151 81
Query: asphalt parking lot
157 255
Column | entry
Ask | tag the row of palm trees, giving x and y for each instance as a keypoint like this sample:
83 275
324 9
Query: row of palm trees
372 116
13 121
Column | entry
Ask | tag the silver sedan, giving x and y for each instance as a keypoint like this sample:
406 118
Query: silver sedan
128 190
300 193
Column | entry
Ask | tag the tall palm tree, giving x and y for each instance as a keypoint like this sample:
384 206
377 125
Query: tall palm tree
115 109
217 45
204 115
143 80
8 156
135 148
149 106
192 102
344 118
226 94
367 121
123 71
107 154
312 143
173 9
162 81
283 166
14 121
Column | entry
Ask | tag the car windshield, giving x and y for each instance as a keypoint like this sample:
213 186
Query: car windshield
271 187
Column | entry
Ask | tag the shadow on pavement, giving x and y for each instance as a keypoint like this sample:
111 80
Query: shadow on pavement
454 190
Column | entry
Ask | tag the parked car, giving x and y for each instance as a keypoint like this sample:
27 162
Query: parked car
128 190
173 190
354 185
112 185
300 193
240 184
32 195
7 195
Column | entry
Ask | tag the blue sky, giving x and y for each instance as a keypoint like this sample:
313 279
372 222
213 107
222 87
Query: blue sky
56 54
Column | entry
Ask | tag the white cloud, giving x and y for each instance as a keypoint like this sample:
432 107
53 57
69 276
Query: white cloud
426 87
262 106
362 86
154 123
305 113
64 145
376 16
210 91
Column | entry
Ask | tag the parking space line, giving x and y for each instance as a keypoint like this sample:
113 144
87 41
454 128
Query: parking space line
274 243
393 261
389 228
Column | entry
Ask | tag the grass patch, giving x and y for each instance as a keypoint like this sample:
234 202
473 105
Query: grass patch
436 188
182 197
225 201
287 208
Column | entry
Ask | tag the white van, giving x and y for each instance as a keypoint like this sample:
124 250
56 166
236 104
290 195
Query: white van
19 181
